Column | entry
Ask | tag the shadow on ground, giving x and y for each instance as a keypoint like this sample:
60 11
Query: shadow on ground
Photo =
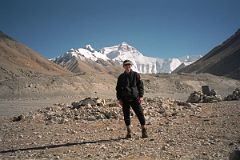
62 145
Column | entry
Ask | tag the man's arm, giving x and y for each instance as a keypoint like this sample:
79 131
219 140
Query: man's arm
118 88
119 91
140 86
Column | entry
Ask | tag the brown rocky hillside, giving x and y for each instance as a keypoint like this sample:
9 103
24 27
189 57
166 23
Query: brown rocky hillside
19 60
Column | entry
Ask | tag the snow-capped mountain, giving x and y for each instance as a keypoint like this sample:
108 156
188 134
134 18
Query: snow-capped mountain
143 64
185 61
118 54
85 53
86 59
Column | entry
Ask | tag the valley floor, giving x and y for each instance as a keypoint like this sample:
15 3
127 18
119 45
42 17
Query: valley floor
212 132
192 132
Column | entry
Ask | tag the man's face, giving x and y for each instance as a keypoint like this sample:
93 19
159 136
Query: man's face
127 67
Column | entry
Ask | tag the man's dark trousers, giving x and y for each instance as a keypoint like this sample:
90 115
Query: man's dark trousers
137 108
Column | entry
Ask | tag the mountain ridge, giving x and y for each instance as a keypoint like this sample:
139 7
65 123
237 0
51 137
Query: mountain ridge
118 53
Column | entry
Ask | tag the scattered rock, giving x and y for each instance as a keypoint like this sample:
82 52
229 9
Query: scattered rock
89 101
206 96
211 99
234 96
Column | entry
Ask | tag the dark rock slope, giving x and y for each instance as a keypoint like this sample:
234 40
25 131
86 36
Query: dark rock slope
223 60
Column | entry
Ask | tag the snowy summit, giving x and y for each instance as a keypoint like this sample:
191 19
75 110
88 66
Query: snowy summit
121 52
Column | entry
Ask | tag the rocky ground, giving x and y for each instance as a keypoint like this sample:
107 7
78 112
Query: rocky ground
177 130
38 119
21 95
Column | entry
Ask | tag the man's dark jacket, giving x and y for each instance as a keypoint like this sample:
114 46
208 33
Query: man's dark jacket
129 86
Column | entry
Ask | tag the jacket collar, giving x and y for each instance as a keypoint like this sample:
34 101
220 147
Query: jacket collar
128 73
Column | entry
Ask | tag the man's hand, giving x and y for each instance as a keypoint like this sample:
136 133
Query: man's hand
120 102
140 99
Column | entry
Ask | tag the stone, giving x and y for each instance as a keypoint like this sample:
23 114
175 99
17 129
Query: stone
18 118
100 102
89 156
213 92
112 104
62 120
77 117
208 99
195 97
92 101
218 97
118 156
206 90
185 104
57 134
91 118
234 96
75 104
165 147
103 147
161 110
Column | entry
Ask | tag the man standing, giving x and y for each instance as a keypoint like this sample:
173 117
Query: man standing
130 92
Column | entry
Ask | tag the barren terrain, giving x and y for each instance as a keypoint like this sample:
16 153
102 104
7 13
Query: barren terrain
50 128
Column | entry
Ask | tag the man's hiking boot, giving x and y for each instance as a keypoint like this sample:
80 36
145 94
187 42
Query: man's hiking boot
144 133
128 133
